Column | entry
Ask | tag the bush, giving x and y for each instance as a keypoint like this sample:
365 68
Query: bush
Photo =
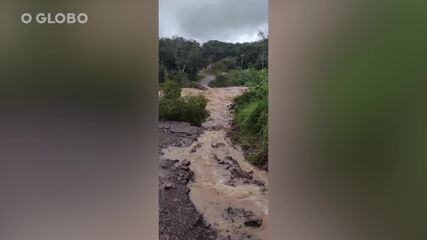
173 107
250 77
251 121
223 65
180 77
194 109
170 90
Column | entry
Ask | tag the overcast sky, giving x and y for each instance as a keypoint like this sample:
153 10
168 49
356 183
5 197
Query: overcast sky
224 20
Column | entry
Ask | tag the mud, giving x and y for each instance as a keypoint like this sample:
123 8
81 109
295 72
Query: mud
179 219
230 193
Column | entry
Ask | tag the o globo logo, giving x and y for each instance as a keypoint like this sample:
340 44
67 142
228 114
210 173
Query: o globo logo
58 18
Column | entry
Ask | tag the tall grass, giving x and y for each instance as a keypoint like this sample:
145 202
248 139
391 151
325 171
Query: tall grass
251 121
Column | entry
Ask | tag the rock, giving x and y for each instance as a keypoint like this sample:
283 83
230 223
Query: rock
198 220
169 186
186 163
195 148
253 222
245 217
164 237
217 145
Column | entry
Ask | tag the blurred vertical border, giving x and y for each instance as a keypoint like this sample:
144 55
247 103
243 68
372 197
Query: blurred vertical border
348 119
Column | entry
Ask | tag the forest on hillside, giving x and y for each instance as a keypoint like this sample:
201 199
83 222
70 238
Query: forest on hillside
182 59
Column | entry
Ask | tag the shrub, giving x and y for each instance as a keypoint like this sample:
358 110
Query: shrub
223 65
249 77
170 90
194 109
180 77
173 107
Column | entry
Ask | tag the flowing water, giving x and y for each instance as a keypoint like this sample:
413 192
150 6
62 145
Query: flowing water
214 160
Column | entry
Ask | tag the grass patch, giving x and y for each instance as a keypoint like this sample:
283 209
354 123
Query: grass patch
249 77
251 123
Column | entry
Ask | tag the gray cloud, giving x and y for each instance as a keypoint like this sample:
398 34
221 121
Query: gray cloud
203 20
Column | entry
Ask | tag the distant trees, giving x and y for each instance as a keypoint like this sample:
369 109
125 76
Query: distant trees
182 59
179 56
223 65
263 54
253 54
215 50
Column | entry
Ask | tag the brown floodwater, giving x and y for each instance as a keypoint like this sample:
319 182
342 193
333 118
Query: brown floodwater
211 191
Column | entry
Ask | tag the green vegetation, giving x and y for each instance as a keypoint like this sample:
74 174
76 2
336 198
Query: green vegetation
234 64
221 81
181 60
173 107
251 121
249 77
223 66
246 55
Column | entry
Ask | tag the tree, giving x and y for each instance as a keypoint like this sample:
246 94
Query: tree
180 56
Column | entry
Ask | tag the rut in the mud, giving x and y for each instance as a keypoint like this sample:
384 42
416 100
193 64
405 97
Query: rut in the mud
230 193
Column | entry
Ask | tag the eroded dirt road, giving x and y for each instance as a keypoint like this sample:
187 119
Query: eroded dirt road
230 193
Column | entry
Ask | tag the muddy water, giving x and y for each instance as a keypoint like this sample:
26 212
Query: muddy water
213 157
